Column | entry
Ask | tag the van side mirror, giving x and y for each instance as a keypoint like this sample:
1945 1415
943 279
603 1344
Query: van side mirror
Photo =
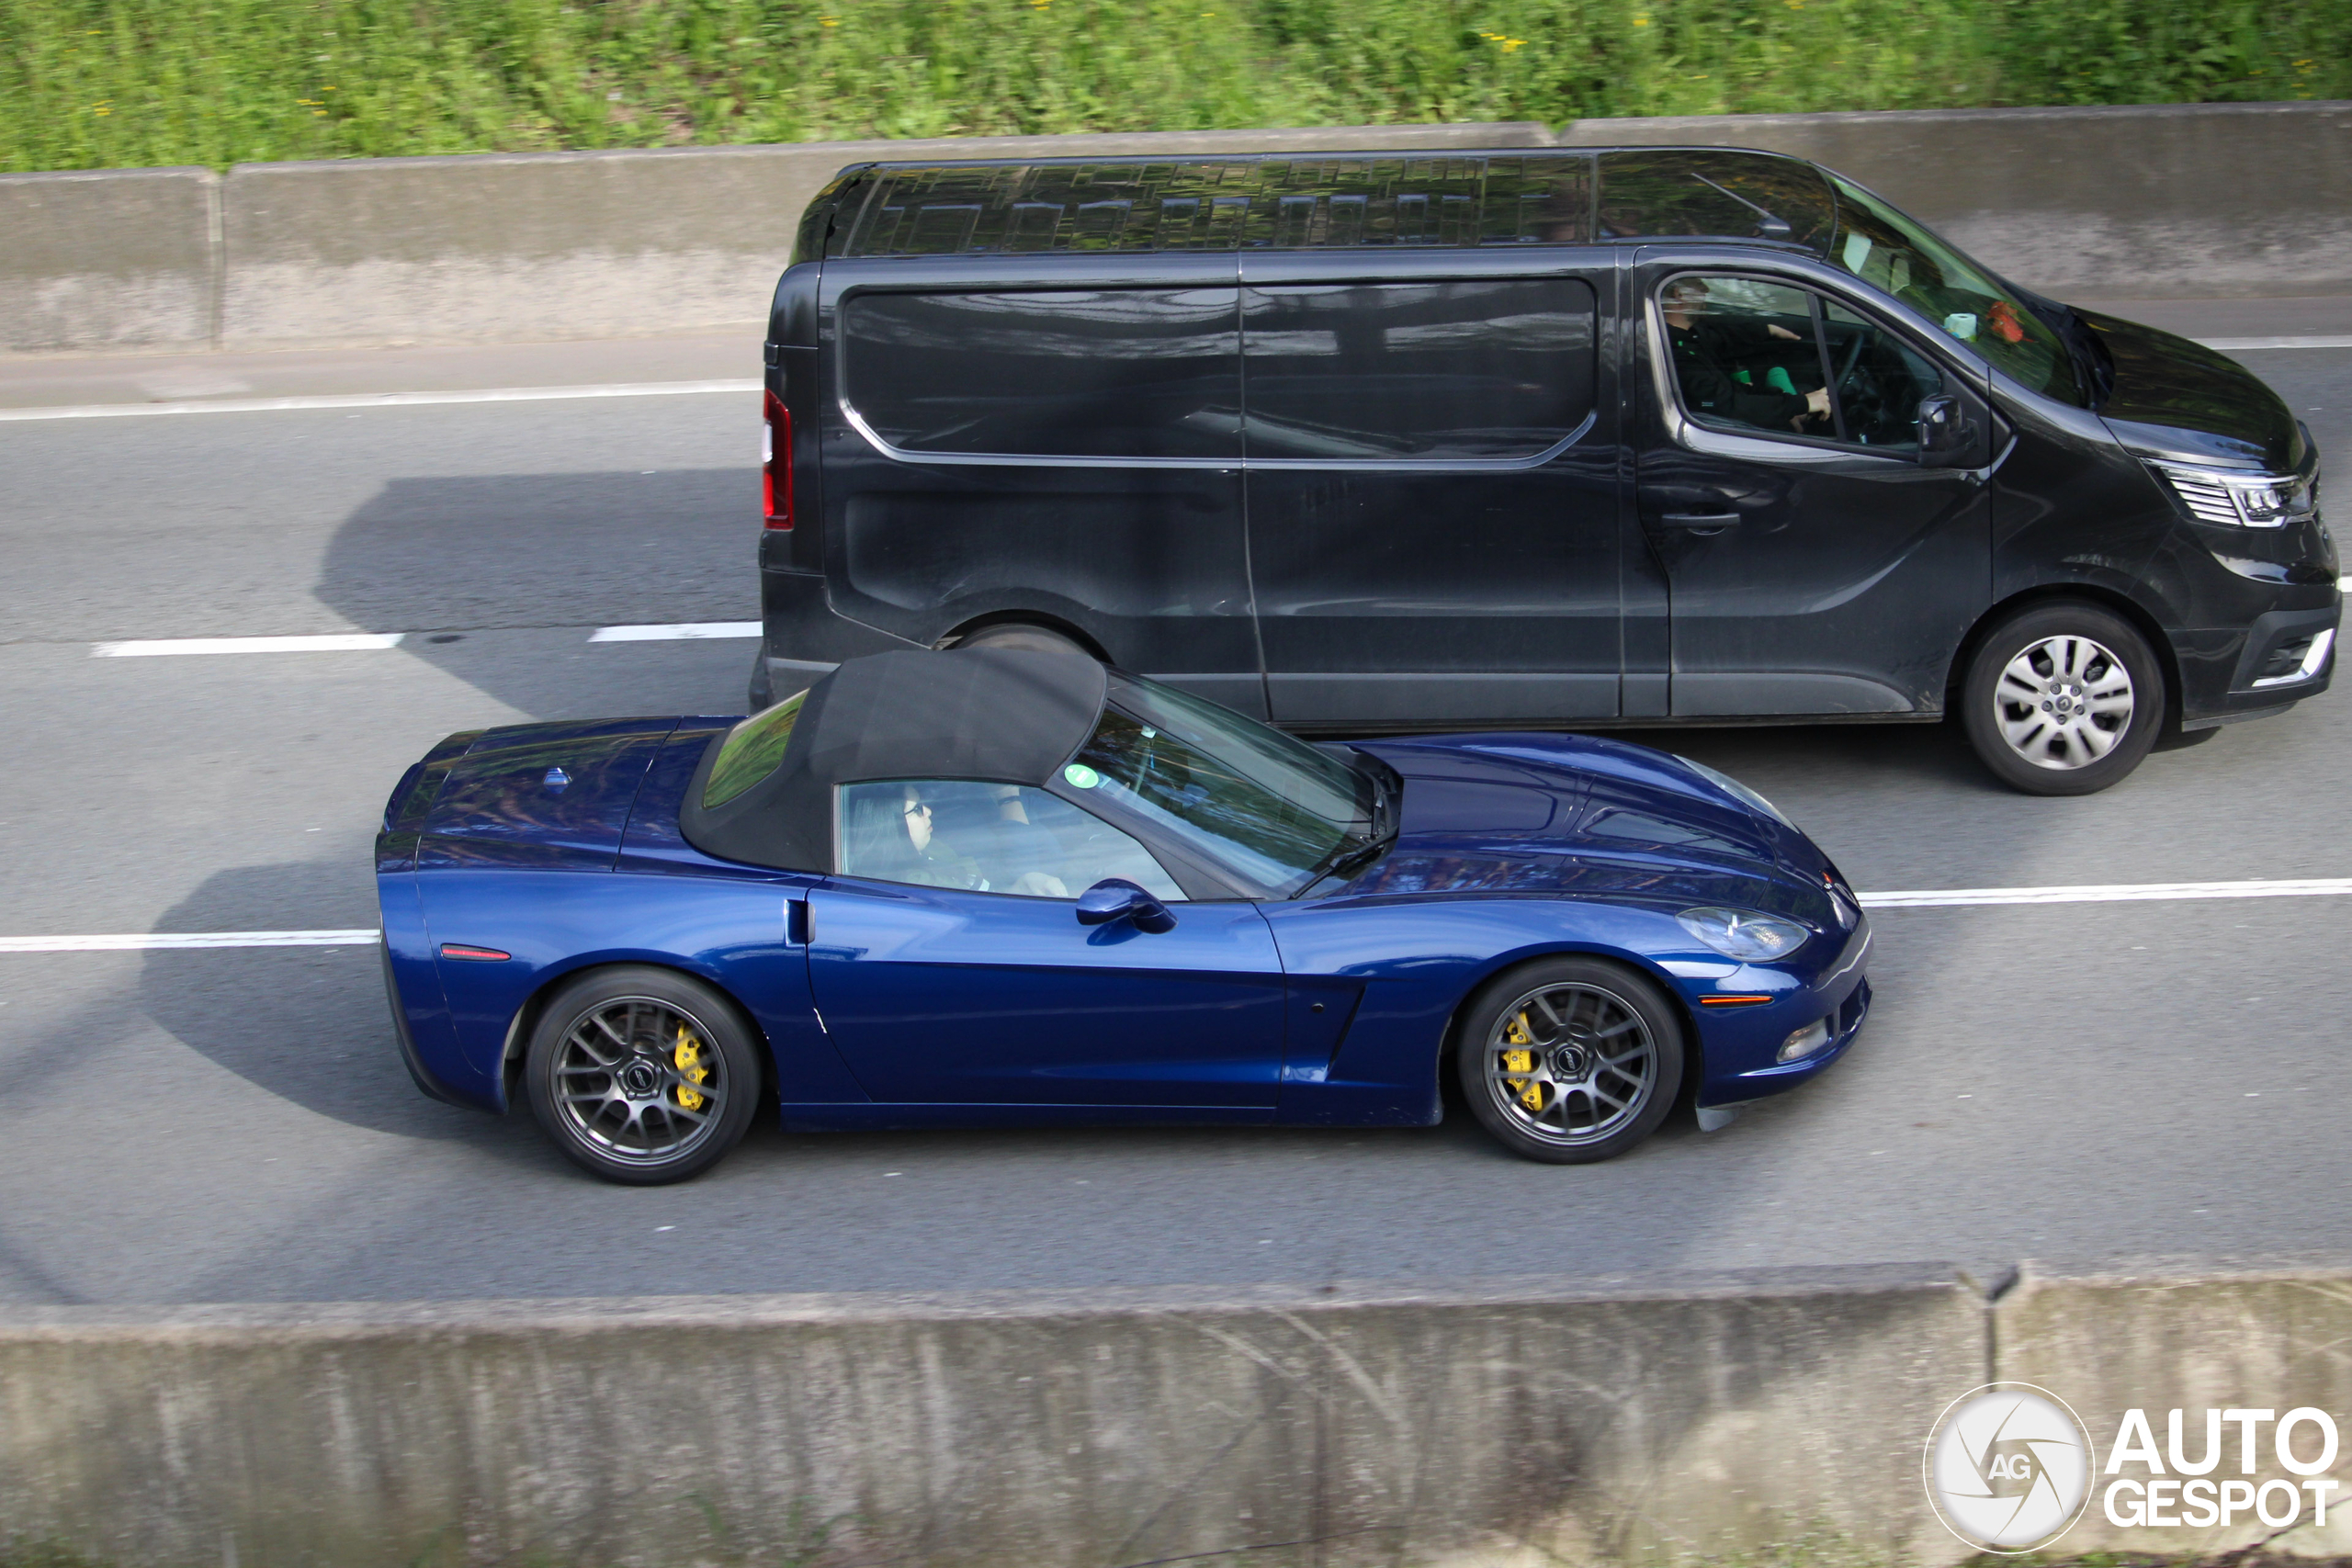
1947 436
1117 898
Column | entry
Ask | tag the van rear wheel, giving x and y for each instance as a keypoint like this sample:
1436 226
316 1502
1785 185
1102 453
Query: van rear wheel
1023 637
2064 699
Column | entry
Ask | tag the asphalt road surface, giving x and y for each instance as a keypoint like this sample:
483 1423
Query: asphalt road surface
2075 1081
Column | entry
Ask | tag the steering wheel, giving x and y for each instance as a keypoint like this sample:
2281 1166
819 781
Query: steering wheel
1860 391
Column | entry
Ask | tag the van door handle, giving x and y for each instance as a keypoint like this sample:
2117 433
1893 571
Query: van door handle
1707 522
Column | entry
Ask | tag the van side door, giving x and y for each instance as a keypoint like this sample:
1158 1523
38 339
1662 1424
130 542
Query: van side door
1432 456
1816 562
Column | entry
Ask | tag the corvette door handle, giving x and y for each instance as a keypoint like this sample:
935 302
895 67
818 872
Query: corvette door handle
1709 521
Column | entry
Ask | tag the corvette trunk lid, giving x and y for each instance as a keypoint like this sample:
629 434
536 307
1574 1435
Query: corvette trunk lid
542 795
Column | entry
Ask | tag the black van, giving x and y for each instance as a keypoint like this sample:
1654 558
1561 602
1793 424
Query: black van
1375 443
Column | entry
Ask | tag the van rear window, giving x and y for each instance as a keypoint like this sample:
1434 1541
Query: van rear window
1079 373
1379 372
1492 369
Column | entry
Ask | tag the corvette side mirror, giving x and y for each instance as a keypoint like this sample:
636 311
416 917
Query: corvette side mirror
1947 438
1117 898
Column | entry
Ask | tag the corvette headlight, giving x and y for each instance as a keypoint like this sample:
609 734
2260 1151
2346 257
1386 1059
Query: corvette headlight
2237 498
1738 791
1743 933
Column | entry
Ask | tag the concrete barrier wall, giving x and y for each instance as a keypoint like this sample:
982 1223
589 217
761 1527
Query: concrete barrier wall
109 259
2166 1337
1776 1416
1516 1425
2184 201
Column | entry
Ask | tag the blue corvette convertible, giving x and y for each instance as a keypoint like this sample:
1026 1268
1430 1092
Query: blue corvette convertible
993 887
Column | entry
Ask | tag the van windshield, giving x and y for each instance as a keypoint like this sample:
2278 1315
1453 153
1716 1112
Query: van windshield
1891 252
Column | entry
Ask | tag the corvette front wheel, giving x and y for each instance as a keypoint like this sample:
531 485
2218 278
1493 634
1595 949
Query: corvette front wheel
1570 1060
643 1075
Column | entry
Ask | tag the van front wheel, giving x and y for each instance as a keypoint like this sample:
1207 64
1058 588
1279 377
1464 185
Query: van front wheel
2064 699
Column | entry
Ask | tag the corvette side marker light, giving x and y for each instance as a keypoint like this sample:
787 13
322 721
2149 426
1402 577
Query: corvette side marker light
1731 1001
481 955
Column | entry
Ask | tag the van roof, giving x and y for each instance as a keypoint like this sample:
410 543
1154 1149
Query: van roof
1325 201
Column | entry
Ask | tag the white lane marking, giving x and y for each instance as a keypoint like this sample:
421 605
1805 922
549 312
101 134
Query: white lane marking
2114 893
136 941
2111 892
335 642
683 631
386 400
2240 344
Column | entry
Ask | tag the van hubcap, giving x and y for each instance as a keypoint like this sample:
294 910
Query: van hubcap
2063 701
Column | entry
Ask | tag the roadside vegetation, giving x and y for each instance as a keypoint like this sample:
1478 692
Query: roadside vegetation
96 83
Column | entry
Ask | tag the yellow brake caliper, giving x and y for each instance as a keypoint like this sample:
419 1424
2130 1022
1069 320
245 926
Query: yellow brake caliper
688 1058
1529 1092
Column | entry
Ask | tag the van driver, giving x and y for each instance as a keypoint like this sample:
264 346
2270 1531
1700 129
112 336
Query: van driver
1706 343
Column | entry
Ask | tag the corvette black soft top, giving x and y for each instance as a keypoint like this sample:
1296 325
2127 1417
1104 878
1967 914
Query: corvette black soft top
999 715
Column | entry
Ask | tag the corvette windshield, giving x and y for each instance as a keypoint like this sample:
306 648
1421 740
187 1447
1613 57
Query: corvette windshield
1243 796
1882 247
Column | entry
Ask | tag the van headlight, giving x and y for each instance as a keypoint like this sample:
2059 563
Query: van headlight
2236 499
1743 933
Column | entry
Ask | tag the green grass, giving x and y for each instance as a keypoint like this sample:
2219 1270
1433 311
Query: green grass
94 84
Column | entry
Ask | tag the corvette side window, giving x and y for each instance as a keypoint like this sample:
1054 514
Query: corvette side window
985 838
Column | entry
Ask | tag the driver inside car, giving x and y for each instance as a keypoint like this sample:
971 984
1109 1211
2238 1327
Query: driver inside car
1710 346
963 839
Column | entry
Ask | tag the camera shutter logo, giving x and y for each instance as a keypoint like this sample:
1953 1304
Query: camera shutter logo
2009 1467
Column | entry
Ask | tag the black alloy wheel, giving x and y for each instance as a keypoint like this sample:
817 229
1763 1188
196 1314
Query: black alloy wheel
2064 699
643 1075
1570 1060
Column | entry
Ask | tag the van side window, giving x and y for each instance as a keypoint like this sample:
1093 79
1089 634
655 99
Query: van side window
1771 359
1500 368
1746 355
1091 373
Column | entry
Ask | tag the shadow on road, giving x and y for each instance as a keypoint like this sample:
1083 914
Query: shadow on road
309 1025
449 556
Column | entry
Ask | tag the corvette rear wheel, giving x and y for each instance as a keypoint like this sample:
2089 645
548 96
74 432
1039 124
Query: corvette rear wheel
643 1075
1570 1060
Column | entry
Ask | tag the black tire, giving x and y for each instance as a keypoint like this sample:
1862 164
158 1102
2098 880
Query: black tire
1021 635
2063 699
612 1074
1586 1003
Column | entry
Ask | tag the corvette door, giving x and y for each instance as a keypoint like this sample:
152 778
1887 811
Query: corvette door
987 991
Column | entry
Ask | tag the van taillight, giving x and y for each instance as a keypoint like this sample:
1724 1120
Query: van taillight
776 462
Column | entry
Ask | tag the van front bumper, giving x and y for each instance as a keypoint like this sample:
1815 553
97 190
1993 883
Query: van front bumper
2281 658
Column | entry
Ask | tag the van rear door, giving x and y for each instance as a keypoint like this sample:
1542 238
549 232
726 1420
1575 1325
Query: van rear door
1430 444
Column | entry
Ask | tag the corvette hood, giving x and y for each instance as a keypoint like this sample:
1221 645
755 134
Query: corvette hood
1575 816
540 794
2177 399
